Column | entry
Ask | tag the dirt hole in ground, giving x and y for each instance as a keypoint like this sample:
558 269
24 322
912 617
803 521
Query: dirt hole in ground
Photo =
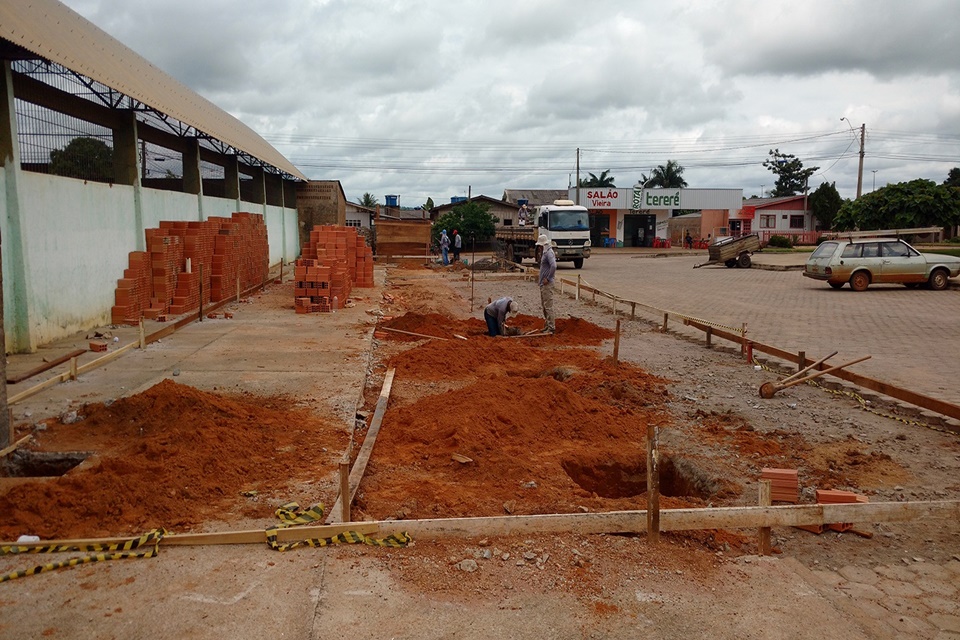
40 464
624 479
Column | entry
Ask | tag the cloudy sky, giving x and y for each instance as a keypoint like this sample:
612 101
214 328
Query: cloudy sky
431 98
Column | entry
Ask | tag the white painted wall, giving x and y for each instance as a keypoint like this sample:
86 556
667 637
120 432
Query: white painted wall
78 237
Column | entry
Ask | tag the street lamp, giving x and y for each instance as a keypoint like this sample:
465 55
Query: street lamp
875 179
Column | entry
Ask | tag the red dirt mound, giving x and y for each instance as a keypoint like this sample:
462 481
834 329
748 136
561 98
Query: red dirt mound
179 456
570 331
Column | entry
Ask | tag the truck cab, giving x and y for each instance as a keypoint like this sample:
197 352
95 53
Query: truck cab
567 225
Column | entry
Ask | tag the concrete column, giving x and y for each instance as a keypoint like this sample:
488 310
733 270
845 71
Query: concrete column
126 167
17 335
191 167
259 185
231 179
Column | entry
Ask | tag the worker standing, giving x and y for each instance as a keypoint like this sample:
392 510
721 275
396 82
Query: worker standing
496 314
445 247
457 245
548 269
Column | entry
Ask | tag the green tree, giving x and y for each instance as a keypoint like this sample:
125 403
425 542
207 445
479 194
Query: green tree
369 201
825 202
603 180
791 176
953 178
470 219
665 176
428 205
905 205
85 158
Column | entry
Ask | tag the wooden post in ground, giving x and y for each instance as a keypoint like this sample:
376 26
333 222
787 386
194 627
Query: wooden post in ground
743 338
663 329
238 288
709 336
633 310
616 344
653 485
801 360
345 490
73 368
749 346
764 544
578 287
143 335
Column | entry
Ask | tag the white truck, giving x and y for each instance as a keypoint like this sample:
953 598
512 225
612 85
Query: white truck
565 224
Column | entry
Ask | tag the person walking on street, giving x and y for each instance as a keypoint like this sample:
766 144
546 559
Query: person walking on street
548 269
457 245
496 314
445 247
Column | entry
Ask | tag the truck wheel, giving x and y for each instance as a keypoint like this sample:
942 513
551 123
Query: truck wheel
509 253
744 261
578 263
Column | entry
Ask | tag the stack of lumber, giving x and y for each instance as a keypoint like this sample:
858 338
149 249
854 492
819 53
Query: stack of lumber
784 484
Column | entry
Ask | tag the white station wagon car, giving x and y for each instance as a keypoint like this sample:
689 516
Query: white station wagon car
879 260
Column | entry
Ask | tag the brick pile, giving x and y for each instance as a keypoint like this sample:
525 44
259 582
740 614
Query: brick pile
334 261
830 496
159 282
784 484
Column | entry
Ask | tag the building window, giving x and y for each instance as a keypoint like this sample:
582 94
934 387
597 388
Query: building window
796 222
768 222
353 223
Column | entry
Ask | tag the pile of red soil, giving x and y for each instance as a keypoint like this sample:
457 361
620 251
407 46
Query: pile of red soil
172 457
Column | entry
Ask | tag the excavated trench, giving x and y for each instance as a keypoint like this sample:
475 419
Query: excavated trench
40 464
679 477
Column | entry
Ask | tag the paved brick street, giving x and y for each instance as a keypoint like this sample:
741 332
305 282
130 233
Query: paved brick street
913 335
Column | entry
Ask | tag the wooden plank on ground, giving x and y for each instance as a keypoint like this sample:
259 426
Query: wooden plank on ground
14 446
46 366
360 465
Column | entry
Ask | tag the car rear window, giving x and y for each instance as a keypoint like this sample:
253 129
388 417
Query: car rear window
825 249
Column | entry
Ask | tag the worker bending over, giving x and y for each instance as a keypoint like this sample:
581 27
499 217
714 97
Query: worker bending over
496 314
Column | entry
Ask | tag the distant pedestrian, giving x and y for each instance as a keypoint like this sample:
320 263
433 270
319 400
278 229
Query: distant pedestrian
496 314
688 240
457 245
445 247
548 269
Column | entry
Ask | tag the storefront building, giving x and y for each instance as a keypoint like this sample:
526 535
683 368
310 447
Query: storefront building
634 216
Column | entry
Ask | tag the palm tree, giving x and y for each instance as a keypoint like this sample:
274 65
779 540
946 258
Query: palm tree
669 176
368 200
603 180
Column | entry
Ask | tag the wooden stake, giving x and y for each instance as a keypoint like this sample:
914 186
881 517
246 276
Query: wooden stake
709 336
143 336
663 329
801 360
578 287
345 490
73 368
633 310
616 344
653 485
360 465
765 492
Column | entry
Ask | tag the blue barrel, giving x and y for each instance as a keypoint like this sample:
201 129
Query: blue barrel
456 199
392 201
522 201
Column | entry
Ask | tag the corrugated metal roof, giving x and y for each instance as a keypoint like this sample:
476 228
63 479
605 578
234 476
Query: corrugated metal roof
55 32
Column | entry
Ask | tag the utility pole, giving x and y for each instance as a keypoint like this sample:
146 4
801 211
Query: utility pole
863 135
578 175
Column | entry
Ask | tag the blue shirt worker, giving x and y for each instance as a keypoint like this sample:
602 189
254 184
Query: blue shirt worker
496 314
445 247
548 269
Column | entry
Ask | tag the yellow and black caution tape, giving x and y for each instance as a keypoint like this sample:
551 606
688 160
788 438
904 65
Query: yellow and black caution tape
291 514
146 546
864 403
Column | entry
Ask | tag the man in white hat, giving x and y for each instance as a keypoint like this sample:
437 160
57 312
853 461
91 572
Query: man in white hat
548 269
496 314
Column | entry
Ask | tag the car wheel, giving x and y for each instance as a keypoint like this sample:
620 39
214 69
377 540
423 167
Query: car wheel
939 280
860 281
578 263
744 261
837 285
732 262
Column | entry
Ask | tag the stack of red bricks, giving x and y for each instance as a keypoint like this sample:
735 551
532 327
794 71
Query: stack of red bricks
784 484
133 290
178 253
829 496
334 261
